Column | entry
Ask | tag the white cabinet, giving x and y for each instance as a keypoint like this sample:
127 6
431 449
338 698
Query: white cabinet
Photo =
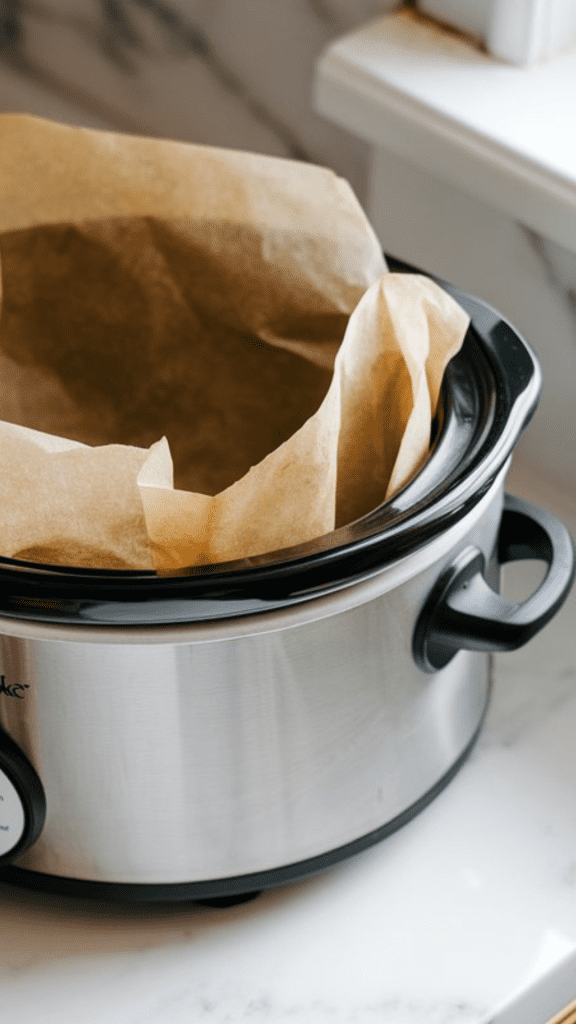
473 178
520 31
469 17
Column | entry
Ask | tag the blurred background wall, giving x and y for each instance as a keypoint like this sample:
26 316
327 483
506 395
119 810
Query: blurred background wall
234 73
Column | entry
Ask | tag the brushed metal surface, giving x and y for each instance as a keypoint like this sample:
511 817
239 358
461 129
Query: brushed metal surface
220 751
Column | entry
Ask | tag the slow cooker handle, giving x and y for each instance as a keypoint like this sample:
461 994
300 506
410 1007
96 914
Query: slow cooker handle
464 612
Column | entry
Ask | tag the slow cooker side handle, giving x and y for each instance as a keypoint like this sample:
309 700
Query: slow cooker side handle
464 612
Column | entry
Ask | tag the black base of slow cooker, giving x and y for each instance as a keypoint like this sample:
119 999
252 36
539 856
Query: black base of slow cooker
239 889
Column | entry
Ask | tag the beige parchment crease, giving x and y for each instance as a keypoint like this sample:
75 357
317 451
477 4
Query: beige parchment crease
236 306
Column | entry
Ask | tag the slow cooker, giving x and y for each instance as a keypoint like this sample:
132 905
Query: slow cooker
208 732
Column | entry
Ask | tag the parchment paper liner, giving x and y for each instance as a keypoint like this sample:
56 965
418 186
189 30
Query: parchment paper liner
230 280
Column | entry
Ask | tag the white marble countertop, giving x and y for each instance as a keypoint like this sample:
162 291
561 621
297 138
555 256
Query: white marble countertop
444 922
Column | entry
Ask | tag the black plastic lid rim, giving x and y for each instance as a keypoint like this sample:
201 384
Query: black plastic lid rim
490 391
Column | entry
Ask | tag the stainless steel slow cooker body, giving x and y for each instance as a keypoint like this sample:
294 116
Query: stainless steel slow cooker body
210 732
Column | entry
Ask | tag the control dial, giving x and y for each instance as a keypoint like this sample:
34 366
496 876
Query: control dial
22 801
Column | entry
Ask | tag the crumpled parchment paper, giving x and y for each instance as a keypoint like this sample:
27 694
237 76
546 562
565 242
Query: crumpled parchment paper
202 354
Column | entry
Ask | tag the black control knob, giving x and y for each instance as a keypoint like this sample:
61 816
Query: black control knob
22 801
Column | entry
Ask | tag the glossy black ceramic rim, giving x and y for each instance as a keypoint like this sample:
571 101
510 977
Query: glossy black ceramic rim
490 391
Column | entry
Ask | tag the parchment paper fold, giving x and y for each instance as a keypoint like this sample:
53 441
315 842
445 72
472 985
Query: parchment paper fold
237 307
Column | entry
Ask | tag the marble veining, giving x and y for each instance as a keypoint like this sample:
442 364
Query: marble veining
559 265
234 73
222 72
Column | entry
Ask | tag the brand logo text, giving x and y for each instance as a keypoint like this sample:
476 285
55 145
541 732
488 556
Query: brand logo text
13 689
